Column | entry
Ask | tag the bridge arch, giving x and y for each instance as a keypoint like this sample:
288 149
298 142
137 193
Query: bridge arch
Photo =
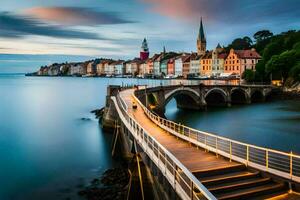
216 97
186 98
239 96
257 96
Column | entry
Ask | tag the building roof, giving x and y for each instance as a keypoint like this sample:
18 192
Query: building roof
207 55
250 54
222 55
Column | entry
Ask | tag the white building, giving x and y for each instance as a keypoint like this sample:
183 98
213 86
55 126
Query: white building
119 67
195 65
218 58
178 66
77 69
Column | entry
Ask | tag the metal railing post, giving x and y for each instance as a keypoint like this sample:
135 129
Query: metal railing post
230 150
217 146
267 160
291 165
247 155
205 142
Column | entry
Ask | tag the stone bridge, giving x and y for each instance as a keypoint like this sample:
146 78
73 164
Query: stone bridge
200 96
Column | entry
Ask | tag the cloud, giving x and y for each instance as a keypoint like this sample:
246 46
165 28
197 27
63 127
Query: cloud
74 16
230 11
13 26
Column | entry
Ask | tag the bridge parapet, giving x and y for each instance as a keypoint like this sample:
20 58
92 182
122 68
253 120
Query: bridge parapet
199 96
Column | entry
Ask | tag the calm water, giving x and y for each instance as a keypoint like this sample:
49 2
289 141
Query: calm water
47 151
273 124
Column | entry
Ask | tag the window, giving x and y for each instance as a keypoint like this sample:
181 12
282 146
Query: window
237 61
232 62
237 67
252 61
226 68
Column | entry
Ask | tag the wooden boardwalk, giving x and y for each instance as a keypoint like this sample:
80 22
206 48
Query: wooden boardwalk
194 159
225 179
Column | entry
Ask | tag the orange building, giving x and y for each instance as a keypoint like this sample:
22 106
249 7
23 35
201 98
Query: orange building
238 61
171 66
206 64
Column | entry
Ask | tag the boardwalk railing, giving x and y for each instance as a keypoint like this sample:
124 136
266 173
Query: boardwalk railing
285 165
186 185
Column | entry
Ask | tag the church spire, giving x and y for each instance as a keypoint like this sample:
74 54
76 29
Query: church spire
201 40
201 35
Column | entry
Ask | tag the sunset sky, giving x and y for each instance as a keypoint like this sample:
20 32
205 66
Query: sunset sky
115 28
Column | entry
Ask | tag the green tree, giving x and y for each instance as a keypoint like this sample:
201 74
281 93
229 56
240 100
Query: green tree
248 75
260 73
282 64
273 48
262 35
295 72
240 43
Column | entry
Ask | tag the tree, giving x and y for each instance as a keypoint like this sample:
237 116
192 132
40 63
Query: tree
273 48
262 35
248 75
260 73
295 72
240 44
248 40
282 63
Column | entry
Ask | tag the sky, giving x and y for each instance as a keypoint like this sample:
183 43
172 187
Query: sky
116 28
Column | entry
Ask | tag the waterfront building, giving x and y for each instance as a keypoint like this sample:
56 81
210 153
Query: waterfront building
150 63
77 69
164 67
171 67
144 53
119 67
43 71
54 70
91 68
167 56
111 67
156 64
106 66
218 59
238 61
195 64
132 66
143 68
100 68
206 64
186 65
201 40
182 65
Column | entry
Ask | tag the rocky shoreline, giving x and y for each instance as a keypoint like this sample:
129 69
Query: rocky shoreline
98 113
113 185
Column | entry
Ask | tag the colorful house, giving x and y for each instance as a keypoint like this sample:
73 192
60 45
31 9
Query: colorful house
195 64
238 61
206 64
171 67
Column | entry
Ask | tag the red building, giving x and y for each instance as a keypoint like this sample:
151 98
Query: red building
144 54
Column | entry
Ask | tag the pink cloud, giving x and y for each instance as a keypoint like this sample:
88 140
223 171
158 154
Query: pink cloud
183 9
75 16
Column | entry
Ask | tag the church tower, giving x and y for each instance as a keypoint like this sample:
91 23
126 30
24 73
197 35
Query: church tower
144 54
201 40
